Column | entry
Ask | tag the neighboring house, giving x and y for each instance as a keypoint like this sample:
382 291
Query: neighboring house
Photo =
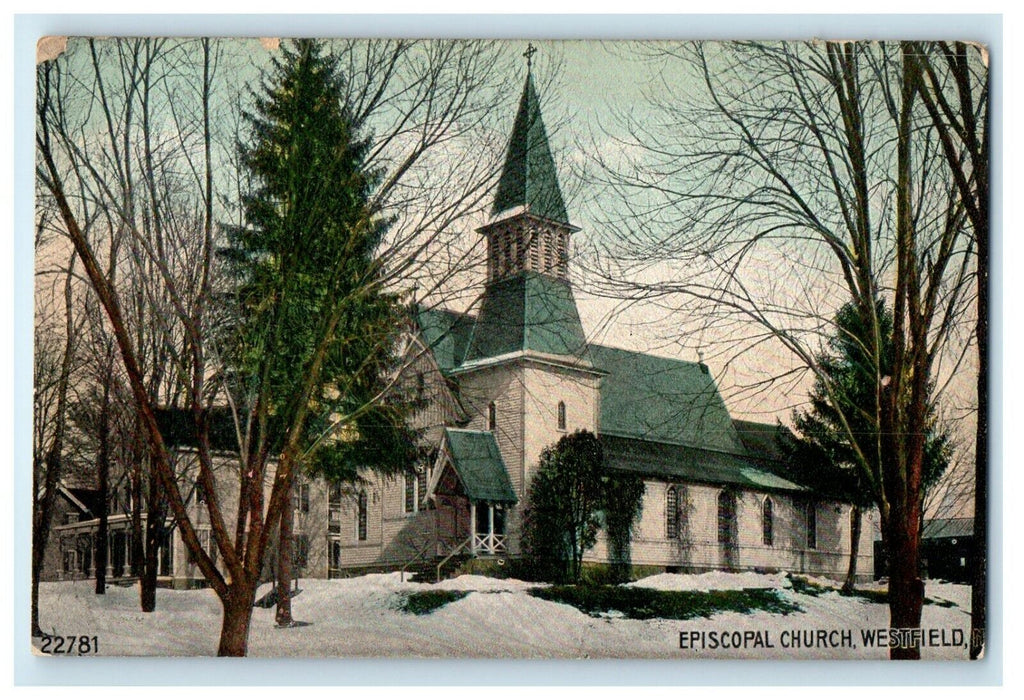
501 384
947 550
70 549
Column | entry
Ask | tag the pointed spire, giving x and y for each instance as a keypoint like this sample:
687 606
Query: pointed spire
529 178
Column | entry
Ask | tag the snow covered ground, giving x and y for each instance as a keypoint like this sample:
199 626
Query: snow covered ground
360 617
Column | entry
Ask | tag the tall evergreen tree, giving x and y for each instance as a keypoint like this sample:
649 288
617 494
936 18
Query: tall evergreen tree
312 333
822 453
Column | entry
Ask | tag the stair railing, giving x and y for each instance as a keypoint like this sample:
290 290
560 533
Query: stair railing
465 543
417 557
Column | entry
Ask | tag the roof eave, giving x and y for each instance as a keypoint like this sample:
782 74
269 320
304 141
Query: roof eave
523 211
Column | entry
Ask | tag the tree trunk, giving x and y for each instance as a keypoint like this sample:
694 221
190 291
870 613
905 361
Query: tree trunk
103 469
138 551
284 565
851 572
53 459
906 589
41 531
234 630
154 529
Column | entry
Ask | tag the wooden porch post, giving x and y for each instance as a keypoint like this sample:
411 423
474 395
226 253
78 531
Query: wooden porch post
110 555
472 528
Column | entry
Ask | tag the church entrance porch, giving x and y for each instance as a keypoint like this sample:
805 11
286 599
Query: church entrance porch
488 536
471 493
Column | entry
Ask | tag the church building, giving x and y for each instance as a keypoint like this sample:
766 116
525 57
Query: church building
512 378
500 384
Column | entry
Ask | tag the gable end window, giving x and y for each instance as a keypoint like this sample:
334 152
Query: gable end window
492 416
767 523
561 415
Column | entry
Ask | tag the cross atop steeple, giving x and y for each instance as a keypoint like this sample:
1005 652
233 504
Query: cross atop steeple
528 55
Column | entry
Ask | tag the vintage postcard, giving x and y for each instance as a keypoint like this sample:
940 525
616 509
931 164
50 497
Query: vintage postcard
510 349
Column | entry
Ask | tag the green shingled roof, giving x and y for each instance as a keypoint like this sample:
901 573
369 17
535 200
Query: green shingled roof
762 440
663 400
529 311
529 178
681 463
474 455
447 334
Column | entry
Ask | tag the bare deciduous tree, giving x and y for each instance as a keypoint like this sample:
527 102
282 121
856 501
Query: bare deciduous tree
128 136
793 178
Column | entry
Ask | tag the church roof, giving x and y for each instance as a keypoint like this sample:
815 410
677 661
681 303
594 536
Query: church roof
447 334
693 465
762 439
662 400
529 178
475 457
528 311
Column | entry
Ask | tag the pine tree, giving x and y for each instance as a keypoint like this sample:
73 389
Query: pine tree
823 453
312 331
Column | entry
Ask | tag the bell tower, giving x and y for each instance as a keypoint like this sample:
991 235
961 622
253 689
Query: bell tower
527 376
529 228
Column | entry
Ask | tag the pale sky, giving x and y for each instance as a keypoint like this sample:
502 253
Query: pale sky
585 87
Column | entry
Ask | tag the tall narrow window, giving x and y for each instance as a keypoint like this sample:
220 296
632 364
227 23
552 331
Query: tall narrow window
767 523
300 498
492 416
727 518
361 517
421 487
334 509
561 415
811 521
672 512
410 493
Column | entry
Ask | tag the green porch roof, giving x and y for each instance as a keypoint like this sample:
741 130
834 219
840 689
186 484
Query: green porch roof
529 178
689 464
529 311
475 457
662 400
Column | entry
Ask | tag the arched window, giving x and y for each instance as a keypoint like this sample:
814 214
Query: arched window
672 512
561 415
492 416
767 523
811 522
727 517
361 517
